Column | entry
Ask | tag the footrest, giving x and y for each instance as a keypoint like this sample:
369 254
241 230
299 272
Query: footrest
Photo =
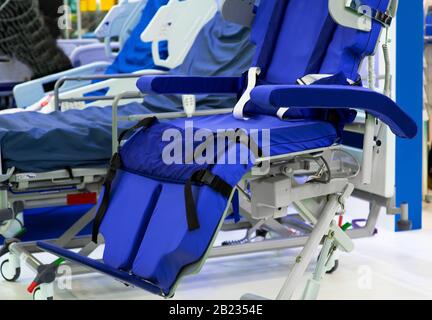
99 267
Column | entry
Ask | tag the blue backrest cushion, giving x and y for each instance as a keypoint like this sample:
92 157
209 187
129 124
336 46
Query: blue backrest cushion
349 47
310 42
307 32
297 38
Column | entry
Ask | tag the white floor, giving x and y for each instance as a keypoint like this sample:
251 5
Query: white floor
388 266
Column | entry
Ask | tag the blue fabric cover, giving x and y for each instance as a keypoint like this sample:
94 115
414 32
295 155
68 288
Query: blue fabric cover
177 248
36 142
337 97
189 85
285 137
137 55
51 223
345 48
321 47
342 116
42 142
136 204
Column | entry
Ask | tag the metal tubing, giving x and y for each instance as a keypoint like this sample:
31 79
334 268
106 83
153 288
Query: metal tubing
62 80
20 250
72 232
305 257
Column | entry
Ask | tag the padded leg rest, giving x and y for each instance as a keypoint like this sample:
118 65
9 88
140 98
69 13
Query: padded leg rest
132 203
99 267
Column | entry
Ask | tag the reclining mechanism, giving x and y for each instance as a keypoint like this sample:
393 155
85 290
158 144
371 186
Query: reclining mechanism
169 189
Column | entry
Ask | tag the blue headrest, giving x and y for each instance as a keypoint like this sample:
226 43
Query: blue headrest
308 40
137 55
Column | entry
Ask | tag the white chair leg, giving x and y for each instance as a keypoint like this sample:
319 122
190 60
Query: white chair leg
313 285
320 229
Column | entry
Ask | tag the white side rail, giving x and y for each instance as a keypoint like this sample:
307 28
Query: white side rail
33 91
119 22
73 99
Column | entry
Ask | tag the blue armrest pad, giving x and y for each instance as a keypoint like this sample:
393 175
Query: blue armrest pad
98 266
189 85
337 97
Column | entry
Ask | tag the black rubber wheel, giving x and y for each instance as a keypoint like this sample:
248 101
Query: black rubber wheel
36 291
404 225
16 274
335 267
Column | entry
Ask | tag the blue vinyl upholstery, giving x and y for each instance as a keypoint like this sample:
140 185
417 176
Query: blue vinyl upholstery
137 55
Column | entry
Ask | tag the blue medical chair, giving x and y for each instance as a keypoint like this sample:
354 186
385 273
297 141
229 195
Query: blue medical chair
159 218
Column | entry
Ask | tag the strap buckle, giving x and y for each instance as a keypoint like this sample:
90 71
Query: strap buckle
382 17
115 164
205 177
252 76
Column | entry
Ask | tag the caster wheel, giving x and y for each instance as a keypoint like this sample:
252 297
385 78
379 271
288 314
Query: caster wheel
334 268
404 225
38 295
7 274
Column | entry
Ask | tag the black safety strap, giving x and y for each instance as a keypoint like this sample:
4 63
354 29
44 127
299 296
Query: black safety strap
251 144
144 123
202 177
206 177
115 165
70 172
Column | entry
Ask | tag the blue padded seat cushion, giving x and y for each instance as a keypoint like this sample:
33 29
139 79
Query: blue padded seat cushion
286 136
143 154
145 227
